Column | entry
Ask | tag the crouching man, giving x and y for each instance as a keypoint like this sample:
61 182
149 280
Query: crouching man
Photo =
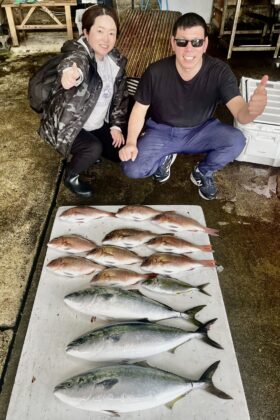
181 93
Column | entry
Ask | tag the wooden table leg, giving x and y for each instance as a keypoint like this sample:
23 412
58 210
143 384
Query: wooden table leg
12 28
68 22
234 27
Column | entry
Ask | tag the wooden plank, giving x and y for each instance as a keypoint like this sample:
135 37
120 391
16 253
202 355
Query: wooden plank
68 22
52 3
12 28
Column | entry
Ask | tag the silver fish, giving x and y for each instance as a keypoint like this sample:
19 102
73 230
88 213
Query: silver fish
133 341
170 286
74 266
137 213
120 277
128 237
72 243
113 255
115 303
177 222
167 264
171 243
82 214
126 388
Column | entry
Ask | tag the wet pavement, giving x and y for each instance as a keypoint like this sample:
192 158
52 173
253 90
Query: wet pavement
246 213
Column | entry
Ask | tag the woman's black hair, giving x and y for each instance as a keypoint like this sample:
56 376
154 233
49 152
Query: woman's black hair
93 12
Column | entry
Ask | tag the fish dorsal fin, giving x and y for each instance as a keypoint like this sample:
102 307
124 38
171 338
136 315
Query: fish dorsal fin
170 404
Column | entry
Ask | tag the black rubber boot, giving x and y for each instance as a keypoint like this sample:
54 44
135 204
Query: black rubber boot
75 185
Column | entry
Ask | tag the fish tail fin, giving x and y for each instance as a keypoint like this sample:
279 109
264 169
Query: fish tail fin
212 232
205 248
190 314
208 263
203 329
201 288
206 377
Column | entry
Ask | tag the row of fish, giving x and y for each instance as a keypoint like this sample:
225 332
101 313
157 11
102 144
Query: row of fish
168 219
122 388
112 255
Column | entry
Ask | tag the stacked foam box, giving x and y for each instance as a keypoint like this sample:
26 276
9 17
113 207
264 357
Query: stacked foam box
263 134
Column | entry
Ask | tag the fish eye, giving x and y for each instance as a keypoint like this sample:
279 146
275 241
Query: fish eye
68 384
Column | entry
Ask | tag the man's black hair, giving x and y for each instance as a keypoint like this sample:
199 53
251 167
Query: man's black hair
188 20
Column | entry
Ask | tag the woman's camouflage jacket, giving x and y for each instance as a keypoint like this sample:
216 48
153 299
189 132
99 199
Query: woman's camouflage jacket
67 110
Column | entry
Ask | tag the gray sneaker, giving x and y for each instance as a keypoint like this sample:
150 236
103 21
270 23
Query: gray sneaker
162 174
205 183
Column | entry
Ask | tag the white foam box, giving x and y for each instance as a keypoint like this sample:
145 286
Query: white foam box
44 362
263 134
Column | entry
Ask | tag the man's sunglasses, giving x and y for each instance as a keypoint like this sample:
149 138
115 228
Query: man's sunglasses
197 42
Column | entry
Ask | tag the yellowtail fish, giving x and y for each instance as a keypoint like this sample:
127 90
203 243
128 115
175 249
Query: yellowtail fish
120 304
113 256
177 222
171 243
134 340
128 237
137 213
74 266
119 277
125 388
82 214
72 243
165 263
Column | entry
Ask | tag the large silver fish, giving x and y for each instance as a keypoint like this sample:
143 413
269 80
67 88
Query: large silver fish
113 255
126 388
74 266
133 341
178 222
171 243
72 243
115 303
168 264
137 213
82 214
120 277
169 286
128 237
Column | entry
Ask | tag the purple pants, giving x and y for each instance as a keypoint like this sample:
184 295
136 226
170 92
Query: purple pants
221 143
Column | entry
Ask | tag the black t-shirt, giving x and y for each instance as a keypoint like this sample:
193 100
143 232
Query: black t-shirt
180 103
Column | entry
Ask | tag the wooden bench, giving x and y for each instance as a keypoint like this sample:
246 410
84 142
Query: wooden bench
145 38
44 6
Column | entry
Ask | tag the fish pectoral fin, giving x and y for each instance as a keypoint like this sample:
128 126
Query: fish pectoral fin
170 404
110 413
173 350
142 364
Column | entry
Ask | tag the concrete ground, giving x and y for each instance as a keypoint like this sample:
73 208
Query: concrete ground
246 213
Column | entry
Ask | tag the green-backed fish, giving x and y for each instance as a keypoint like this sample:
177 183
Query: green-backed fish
169 286
132 341
127 388
115 303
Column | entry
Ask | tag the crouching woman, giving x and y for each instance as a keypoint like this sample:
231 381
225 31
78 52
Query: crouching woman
86 112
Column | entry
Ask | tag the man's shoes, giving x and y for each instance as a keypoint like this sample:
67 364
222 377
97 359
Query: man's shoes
162 174
206 185
75 185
